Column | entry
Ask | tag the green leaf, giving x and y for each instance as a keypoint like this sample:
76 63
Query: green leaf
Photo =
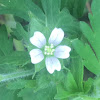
20 8
89 59
16 58
84 98
76 7
14 7
26 94
70 83
95 6
20 84
56 18
42 80
6 94
30 84
66 88
91 54
61 92
68 23
20 33
77 70
96 88
87 85
38 2
44 94
40 66
37 12
6 44
7 68
38 26
93 38
1 53
6 48
51 9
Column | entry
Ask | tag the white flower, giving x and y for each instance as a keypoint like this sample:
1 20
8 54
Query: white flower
51 52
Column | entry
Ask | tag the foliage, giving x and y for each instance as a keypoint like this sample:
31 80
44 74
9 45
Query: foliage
90 51
22 80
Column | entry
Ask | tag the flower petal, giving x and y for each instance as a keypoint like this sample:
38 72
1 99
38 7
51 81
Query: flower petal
38 39
56 36
52 64
62 52
36 56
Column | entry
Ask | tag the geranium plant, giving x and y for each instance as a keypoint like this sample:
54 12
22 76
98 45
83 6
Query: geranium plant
49 49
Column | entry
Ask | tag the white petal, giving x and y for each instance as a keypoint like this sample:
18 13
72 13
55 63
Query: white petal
38 39
36 56
56 36
52 64
62 52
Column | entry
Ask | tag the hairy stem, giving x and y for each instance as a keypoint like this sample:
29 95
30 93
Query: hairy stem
15 75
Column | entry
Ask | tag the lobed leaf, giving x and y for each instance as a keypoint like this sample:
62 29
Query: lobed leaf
89 59
76 7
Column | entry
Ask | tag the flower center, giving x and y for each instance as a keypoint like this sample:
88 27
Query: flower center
49 50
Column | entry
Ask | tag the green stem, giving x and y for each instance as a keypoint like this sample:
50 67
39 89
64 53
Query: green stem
15 75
